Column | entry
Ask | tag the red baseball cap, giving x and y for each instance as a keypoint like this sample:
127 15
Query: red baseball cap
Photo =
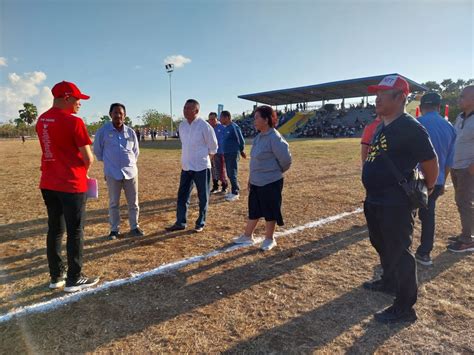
391 82
65 88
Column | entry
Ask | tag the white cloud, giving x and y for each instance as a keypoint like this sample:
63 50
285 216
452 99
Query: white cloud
137 67
3 62
178 60
45 99
23 88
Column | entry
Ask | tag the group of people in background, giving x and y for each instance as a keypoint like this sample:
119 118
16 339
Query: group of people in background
210 155
153 133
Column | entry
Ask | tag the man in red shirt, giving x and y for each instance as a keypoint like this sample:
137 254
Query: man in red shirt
65 162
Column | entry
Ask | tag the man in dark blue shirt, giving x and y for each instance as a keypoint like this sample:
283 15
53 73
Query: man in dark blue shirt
387 208
233 145
443 136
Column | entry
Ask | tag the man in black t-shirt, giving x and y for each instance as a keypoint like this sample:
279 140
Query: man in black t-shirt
389 213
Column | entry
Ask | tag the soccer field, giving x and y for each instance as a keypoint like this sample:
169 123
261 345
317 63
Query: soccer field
303 296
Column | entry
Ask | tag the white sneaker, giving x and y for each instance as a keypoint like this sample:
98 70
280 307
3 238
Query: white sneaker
243 239
232 197
228 195
268 244
57 282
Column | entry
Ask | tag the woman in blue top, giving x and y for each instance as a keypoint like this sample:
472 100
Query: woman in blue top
269 159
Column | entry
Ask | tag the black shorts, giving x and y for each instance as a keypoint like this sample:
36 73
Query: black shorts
265 201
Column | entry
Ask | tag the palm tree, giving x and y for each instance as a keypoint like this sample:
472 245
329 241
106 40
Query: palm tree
29 113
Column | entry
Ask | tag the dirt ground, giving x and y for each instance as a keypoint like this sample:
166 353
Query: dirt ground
303 296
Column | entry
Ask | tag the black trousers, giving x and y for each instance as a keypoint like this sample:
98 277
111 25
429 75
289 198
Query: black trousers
390 231
66 212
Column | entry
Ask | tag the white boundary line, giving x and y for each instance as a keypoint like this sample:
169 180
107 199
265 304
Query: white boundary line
71 298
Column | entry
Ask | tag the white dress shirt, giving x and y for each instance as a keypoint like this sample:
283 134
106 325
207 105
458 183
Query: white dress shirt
198 140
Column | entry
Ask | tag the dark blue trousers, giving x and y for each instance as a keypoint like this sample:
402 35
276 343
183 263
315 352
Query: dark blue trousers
427 218
202 180
232 169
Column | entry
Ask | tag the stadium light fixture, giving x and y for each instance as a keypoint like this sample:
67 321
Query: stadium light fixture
169 69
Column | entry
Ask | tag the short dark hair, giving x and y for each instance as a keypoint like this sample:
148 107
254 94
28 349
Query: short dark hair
192 101
226 114
117 104
430 106
267 113
212 114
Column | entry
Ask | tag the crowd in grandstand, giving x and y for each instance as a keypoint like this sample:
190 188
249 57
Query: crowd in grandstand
322 124
341 123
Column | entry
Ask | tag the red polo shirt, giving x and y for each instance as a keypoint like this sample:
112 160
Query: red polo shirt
62 168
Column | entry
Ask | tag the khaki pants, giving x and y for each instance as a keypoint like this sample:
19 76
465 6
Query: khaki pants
463 184
130 187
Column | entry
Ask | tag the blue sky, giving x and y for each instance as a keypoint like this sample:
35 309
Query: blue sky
115 50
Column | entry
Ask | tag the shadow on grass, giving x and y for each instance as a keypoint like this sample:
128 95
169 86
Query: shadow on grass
27 229
170 296
104 249
166 297
101 247
169 144
335 318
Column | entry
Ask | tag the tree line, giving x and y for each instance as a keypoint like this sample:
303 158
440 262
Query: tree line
151 118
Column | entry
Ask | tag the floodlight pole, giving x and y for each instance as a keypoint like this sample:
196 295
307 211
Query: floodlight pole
169 69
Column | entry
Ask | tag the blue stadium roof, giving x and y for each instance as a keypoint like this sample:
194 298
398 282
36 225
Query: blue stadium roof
327 91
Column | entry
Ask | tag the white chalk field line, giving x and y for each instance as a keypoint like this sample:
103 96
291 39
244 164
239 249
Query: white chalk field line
55 303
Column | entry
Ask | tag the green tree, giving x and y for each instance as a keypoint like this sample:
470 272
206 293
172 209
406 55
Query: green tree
104 119
154 119
93 127
28 114
127 121
433 86
450 91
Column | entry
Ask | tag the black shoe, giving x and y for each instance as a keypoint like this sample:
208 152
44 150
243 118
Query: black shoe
81 283
215 189
454 238
394 314
379 286
224 188
113 235
423 259
198 229
137 232
175 227
57 282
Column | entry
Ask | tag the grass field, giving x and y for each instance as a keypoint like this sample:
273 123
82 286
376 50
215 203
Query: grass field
303 296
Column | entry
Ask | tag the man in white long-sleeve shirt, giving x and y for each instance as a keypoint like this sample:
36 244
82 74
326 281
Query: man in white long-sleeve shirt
199 143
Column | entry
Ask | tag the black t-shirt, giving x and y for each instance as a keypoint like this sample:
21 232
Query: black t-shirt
406 143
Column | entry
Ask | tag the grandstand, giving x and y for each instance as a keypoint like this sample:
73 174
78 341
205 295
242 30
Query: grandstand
328 120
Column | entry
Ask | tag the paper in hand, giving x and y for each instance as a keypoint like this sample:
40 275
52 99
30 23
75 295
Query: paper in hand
92 188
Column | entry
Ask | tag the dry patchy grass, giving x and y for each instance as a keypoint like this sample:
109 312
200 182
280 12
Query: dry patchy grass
304 296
